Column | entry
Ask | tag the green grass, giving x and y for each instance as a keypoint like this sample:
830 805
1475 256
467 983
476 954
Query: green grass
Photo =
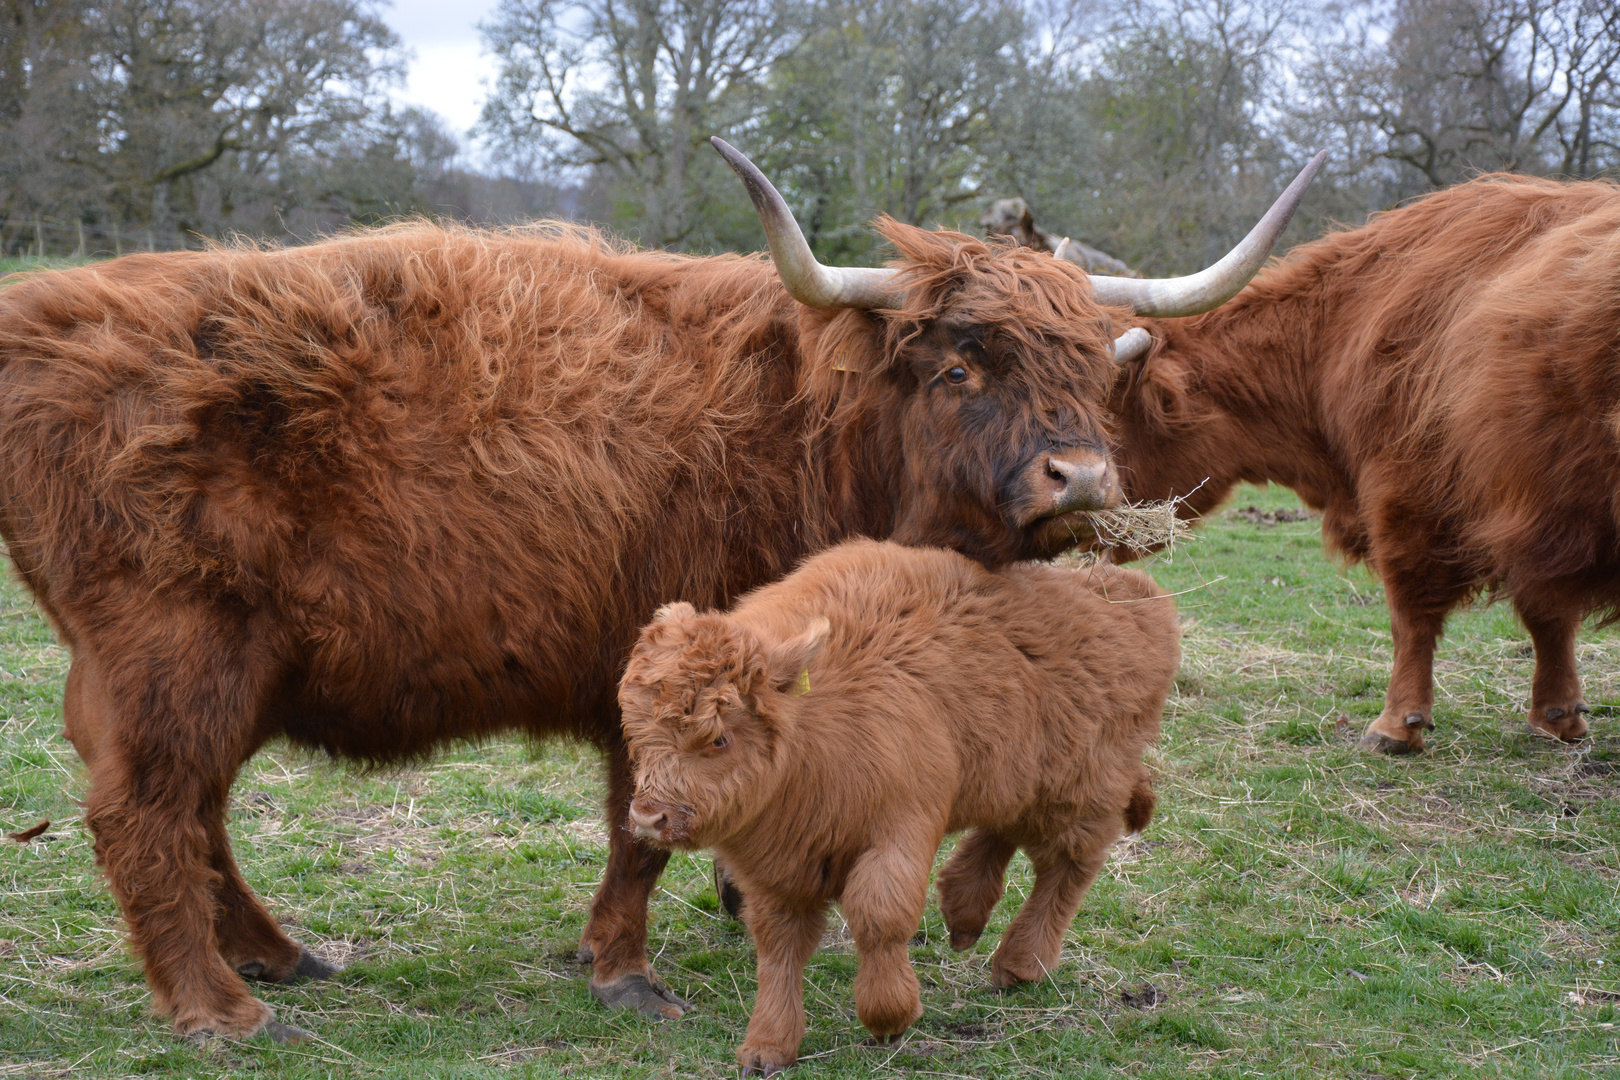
1304 909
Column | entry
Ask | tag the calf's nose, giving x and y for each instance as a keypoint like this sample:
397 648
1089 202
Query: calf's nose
1079 480
646 821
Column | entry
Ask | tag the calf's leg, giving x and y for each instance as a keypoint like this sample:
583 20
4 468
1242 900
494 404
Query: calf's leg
971 885
1556 705
615 939
785 937
248 936
883 902
1064 870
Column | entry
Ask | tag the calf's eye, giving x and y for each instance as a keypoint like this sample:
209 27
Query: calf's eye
721 743
957 375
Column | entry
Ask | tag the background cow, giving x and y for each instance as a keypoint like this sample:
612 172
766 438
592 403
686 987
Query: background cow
422 484
826 733
1444 385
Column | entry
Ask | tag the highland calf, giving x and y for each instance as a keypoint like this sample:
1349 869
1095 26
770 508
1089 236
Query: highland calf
826 734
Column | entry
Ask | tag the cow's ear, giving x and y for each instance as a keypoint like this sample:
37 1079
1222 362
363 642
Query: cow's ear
675 612
790 661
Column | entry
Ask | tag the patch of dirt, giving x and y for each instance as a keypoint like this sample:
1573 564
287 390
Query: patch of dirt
1591 995
1148 997
1256 516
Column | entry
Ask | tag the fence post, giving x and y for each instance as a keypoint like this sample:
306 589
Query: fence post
39 238
78 252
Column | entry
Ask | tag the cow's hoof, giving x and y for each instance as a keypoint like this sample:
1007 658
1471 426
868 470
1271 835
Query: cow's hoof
1378 743
1566 724
285 1034
586 954
312 967
646 996
731 897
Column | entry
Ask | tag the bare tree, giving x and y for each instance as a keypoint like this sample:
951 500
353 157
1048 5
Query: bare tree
632 88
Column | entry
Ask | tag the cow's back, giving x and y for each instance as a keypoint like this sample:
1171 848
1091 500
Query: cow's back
448 471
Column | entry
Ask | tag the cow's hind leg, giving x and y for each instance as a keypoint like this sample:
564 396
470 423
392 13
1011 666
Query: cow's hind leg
615 939
971 885
182 719
1064 870
1556 705
248 936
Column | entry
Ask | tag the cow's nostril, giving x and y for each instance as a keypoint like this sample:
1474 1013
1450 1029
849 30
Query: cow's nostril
1056 473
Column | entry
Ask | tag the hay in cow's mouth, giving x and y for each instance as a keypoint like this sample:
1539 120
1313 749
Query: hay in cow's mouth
1141 527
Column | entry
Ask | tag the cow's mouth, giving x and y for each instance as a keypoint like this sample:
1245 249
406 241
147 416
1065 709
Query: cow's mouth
1059 532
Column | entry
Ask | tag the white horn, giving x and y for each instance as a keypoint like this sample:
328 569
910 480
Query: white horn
806 280
1131 344
1168 298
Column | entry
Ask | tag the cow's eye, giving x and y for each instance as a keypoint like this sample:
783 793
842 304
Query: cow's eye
721 743
957 375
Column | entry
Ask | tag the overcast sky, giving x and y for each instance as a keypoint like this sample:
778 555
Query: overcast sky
445 72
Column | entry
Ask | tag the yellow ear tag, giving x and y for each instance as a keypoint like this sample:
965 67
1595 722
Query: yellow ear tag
801 686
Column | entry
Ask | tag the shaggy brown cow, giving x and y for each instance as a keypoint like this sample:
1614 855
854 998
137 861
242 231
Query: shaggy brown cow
423 484
827 733
1443 384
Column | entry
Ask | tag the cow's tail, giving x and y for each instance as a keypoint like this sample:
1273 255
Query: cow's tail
1139 811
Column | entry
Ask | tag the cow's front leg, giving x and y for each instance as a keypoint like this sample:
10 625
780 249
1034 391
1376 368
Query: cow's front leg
1417 617
1556 705
615 939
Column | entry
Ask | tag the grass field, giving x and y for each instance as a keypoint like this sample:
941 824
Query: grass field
1297 908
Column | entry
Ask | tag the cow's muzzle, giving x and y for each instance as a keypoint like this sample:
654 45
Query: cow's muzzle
1069 480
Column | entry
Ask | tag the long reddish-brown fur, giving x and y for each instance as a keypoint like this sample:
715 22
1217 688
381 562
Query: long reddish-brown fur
828 732
424 484
1443 383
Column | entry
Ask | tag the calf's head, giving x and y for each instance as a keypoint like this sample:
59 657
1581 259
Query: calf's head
707 708
983 371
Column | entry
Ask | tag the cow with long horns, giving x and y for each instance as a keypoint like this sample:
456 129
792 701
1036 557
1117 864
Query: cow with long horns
1442 383
423 484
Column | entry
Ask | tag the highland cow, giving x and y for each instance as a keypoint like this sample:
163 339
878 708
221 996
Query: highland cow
827 733
424 484
1442 383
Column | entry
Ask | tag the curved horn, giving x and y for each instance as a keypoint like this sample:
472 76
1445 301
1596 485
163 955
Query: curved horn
1131 344
807 281
1168 298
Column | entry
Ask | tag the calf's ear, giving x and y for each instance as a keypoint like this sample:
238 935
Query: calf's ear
675 612
790 661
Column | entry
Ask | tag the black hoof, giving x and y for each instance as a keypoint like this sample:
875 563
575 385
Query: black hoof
586 954
285 1034
1583 707
313 968
731 897
1555 713
643 995
1375 742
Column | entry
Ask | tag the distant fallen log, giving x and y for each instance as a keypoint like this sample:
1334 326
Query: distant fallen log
1011 217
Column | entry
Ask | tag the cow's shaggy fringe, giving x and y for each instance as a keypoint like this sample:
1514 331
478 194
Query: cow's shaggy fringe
1443 383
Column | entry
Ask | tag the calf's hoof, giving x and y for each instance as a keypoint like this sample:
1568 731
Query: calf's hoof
1008 971
246 1018
1566 724
1404 736
757 1060
963 940
649 997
